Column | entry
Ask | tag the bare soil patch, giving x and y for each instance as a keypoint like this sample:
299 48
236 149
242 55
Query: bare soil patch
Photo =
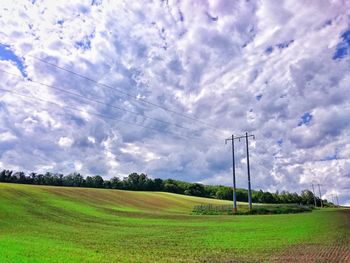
336 252
314 253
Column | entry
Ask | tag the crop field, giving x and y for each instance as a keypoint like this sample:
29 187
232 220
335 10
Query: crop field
61 224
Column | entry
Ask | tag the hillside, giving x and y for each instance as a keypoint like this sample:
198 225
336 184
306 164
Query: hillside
82 200
61 224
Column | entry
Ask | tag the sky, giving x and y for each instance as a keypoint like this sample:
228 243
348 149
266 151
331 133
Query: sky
115 87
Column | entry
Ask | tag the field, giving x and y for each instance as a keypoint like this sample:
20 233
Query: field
58 224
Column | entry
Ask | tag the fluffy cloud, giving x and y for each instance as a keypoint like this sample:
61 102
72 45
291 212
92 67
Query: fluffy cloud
278 70
65 142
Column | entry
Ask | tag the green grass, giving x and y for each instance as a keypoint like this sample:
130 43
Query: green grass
261 209
58 224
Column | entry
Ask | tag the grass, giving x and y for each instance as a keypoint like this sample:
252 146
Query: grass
261 209
58 224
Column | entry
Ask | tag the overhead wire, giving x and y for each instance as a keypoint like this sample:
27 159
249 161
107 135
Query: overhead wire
95 100
122 92
93 113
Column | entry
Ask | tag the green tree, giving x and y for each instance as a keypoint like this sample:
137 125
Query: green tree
307 197
195 190
73 179
116 183
97 181
158 184
170 185
224 193
136 181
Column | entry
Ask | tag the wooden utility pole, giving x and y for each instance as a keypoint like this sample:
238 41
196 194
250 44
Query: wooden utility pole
337 200
319 190
248 170
313 191
233 174
246 136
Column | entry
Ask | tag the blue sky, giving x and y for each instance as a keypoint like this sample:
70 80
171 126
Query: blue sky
6 54
279 70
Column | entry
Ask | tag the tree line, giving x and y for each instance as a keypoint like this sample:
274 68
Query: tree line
141 182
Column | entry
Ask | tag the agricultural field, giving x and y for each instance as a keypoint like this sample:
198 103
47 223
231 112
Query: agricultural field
62 224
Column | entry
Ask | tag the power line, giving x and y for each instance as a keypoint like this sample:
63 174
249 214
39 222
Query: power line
92 113
122 92
94 100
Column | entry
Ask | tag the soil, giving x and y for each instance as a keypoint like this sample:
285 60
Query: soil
337 252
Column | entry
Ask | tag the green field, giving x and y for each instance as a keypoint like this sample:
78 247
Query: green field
61 224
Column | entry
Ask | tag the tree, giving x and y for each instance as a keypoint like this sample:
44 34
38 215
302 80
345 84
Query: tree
89 182
48 179
242 195
18 177
74 179
107 184
136 181
158 184
94 181
170 185
32 178
58 179
224 193
195 190
296 198
268 198
307 197
141 182
5 176
257 196
97 181
116 183
39 179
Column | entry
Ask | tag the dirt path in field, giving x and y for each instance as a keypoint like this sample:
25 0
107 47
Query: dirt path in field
337 252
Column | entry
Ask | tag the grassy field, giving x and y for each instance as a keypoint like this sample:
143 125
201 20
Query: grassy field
58 224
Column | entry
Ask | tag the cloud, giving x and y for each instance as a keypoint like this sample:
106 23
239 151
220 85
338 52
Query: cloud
278 70
65 142
7 136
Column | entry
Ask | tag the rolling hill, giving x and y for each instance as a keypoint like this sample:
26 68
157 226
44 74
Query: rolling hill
62 224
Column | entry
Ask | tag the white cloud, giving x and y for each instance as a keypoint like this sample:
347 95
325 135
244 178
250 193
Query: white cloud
78 166
91 139
254 66
65 142
139 152
7 136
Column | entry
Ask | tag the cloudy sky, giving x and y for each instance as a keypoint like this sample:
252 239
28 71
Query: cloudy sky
113 87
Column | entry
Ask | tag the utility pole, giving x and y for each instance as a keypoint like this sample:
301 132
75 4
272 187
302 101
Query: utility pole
313 191
233 173
332 198
246 136
319 190
248 170
337 200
